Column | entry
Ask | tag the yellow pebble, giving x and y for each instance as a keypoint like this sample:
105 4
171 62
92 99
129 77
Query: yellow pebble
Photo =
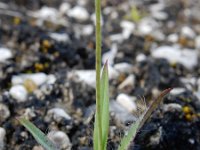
30 85
46 44
186 109
189 117
16 20
39 67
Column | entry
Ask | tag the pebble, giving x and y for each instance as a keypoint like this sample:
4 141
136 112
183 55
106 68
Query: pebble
85 76
129 82
64 7
147 25
187 57
46 13
59 37
110 55
19 93
188 32
37 78
5 54
4 112
197 42
87 30
173 38
79 13
128 28
2 138
127 102
123 67
177 91
172 107
60 139
116 37
58 114
120 112
141 57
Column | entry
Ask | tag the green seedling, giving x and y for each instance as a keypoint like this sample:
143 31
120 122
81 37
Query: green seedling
39 136
101 125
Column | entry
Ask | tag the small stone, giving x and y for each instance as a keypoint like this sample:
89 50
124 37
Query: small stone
4 112
141 57
59 37
188 32
172 38
177 91
5 54
60 139
78 13
121 113
123 67
197 42
110 55
64 7
127 102
58 114
46 13
19 93
2 138
128 28
128 82
172 107
85 76
87 30
38 148
30 85
186 57
37 78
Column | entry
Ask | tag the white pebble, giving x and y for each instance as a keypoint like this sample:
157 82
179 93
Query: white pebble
110 55
87 30
4 112
59 37
186 57
64 7
127 102
147 25
188 32
57 113
60 139
128 82
172 107
172 38
128 28
141 57
37 78
2 138
177 91
78 13
19 93
123 67
86 76
5 54
197 42
46 13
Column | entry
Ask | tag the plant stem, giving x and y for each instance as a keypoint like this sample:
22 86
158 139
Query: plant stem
98 69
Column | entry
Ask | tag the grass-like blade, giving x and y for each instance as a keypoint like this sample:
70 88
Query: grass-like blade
39 136
105 105
140 122
95 134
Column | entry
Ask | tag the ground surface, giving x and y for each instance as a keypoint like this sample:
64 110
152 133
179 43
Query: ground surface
47 60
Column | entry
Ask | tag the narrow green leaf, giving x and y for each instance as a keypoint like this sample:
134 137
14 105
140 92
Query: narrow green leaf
140 122
95 134
125 142
105 105
39 136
